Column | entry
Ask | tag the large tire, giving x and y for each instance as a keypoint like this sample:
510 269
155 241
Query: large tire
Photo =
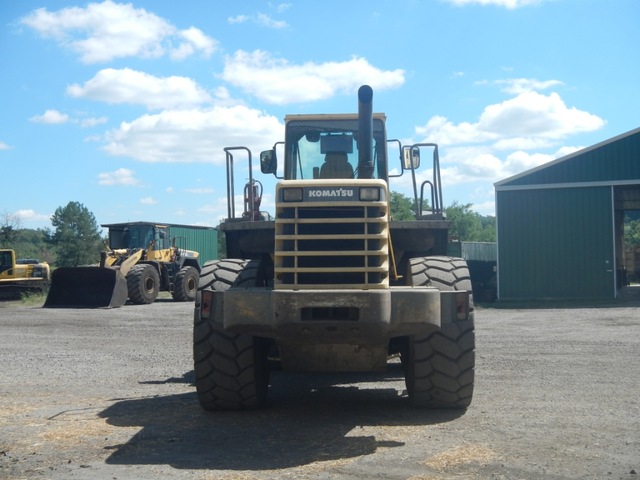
439 367
143 284
185 285
232 371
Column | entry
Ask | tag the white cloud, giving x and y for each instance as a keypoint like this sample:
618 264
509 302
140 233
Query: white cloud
487 207
530 120
479 163
148 201
4 146
29 215
218 210
262 19
105 31
510 137
51 117
266 21
125 85
194 40
440 130
510 4
532 114
92 121
185 136
519 143
567 150
520 161
54 117
238 19
276 81
280 7
122 176
516 86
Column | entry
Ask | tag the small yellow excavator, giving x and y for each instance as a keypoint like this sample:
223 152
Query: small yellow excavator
144 264
22 275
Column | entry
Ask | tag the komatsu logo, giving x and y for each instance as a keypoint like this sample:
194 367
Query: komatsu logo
330 193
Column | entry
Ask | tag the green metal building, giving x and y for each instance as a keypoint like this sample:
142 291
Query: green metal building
560 225
203 240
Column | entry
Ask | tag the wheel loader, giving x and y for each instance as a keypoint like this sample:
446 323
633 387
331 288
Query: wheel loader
140 261
333 283
21 276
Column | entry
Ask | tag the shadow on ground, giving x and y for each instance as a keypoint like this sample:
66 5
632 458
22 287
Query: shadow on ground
309 419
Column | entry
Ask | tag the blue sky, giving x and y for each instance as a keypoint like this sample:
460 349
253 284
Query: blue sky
126 107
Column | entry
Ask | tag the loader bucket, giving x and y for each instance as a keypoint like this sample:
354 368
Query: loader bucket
86 287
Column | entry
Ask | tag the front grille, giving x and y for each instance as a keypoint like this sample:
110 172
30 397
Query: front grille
341 245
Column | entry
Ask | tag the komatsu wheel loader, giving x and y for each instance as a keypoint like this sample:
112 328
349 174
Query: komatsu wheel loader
140 261
333 283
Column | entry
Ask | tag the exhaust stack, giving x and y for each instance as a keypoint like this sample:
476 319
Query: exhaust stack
365 132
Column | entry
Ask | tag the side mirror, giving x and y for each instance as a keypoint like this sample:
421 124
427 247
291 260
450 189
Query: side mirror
268 161
410 158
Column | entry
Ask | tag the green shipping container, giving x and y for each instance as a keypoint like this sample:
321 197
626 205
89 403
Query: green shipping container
203 240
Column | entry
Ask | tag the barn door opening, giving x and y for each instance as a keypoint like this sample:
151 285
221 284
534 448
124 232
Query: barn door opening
627 236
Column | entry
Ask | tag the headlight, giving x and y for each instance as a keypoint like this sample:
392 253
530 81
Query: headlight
371 194
292 194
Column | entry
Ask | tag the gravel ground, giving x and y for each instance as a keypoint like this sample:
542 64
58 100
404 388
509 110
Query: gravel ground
108 394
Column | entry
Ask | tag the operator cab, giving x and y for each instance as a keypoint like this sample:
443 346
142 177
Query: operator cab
326 147
133 236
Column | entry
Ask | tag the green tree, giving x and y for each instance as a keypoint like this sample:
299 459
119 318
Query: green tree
488 232
466 225
631 232
10 223
470 226
76 237
401 207
30 243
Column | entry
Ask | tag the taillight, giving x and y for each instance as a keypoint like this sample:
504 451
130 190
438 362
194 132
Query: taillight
206 301
462 305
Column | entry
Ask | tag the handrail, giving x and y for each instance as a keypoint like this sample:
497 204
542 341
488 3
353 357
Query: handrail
231 204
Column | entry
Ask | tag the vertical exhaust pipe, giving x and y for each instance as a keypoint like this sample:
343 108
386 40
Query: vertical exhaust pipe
365 132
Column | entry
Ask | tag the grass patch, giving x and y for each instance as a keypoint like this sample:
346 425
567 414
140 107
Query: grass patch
33 299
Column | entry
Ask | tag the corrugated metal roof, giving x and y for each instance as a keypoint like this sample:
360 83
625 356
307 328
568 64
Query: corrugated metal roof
124 224
614 161
479 251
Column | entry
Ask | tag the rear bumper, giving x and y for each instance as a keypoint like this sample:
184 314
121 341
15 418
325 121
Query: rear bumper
332 316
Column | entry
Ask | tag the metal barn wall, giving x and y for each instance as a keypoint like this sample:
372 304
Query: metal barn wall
555 243
201 239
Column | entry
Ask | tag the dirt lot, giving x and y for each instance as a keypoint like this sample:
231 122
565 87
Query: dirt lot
108 394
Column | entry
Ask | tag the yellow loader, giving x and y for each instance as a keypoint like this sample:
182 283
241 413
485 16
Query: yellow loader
146 265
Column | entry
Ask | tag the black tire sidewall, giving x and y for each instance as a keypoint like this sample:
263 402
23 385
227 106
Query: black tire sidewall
143 284
182 291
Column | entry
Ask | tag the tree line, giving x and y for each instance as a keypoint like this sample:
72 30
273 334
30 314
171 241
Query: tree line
74 240
76 237
466 224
